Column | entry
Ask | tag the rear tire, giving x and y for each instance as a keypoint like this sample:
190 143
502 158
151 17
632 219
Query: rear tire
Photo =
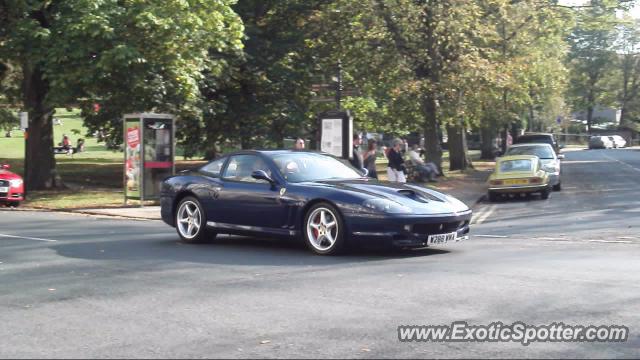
557 187
493 197
323 230
13 204
191 221
545 194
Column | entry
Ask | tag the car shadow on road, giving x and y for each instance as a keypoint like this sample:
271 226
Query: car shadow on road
226 250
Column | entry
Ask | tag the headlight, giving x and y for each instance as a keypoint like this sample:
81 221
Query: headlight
387 206
457 204
551 168
15 182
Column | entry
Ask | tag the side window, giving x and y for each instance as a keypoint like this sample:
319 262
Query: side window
213 168
241 166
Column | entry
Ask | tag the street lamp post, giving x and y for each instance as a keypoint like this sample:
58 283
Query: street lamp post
339 86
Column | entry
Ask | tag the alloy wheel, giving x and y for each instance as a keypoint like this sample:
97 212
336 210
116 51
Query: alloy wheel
189 219
322 229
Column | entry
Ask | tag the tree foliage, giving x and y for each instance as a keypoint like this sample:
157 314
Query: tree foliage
127 55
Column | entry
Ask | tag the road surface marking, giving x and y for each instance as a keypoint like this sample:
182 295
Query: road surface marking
584 161
622 162
26 238
611 241
484 214
491 236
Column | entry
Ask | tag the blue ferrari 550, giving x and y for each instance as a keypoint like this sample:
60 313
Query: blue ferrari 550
311 196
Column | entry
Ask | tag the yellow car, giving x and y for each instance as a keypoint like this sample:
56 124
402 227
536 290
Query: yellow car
519 174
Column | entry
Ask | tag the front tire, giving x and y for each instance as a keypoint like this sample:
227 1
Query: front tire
324 230
557 187
191 221
493 197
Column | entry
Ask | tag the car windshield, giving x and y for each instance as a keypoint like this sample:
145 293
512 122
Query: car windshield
534 139
515 165
299 167
541 151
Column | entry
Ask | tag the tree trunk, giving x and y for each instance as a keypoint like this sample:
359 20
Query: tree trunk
531 117
623 114
505 136
487 136
458 158
40 171
432 143
589 118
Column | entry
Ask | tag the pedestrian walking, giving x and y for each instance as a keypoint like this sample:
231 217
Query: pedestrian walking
369 159
356 159
396 167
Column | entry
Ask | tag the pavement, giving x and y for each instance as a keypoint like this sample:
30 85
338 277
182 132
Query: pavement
142 213
84 286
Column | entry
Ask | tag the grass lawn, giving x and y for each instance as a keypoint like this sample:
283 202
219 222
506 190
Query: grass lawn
72 199
13 147
97 166
94 177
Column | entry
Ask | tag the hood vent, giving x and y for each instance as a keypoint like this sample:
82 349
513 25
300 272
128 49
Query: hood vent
413 195
422 197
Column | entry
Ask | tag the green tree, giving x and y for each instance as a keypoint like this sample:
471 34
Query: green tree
524 43
591 56
265 94
627 84
127 55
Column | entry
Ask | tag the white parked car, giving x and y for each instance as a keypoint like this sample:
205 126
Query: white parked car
548 158
618 141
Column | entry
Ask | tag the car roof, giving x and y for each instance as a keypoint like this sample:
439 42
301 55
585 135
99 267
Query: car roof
518 157
531 144
272 152
535 133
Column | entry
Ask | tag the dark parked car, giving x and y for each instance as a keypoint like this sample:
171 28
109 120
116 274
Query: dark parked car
539 138
311 196
600 142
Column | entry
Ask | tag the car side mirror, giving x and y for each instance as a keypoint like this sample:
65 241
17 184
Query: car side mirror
262 175
6 166
560 157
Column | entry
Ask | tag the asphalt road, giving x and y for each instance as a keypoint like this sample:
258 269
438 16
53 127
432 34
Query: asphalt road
78 286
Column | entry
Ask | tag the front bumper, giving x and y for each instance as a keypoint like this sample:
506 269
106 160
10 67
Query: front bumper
166 210
405 231
14 195
519 189
554 178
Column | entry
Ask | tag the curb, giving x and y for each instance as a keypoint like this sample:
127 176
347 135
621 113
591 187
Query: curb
82 212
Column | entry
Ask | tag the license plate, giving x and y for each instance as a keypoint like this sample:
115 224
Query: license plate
4 189
441 238
516 182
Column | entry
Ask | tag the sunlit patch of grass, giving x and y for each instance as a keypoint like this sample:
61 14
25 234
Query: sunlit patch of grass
71 199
